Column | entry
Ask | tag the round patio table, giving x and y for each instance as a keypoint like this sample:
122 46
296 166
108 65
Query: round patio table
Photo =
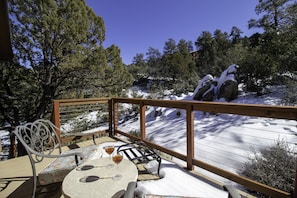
95 179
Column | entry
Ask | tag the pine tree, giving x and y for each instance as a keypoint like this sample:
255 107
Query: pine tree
58 52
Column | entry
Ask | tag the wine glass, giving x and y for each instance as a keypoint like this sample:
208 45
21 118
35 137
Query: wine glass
117 158
109 150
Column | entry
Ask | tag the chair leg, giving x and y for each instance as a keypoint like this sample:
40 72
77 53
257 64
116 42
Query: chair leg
159 166
34 182
94 139
34 175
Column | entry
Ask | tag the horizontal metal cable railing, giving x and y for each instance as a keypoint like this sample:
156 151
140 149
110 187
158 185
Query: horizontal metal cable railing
77 117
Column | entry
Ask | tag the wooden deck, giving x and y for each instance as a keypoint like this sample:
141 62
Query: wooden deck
16 178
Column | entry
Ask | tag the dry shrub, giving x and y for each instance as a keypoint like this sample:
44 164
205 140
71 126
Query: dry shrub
273 166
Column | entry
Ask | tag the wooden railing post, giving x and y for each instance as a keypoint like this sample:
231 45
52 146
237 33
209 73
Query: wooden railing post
56 116
13 147
115 118
142 121
110 113
190 136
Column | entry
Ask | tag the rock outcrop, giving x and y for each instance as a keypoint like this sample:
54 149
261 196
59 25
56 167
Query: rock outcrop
226 86
203 86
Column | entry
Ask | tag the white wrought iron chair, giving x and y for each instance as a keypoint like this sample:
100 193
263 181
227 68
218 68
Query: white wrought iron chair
40 139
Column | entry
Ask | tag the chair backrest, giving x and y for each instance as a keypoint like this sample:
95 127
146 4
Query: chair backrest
39 137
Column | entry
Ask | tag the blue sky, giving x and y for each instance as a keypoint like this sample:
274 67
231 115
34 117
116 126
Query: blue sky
136 25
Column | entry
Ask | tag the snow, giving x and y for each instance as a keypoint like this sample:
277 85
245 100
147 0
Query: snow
228 74
222 140
177 182
204 81
174 181
3 137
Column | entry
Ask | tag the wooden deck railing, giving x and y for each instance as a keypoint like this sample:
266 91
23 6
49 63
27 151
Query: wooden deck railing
279 112
80 106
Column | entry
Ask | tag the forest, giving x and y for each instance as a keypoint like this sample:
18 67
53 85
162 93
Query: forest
58 53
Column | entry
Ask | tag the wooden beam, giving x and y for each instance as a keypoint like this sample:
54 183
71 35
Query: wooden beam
5 42
110 118
190 137
142 121
259 110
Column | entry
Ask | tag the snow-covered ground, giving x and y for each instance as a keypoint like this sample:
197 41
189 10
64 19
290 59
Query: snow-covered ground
223 140
174 181
5 142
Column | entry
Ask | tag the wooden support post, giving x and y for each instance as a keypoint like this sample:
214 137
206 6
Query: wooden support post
190 137
6 53
56 116
115 118
12 148
110 113
142 121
